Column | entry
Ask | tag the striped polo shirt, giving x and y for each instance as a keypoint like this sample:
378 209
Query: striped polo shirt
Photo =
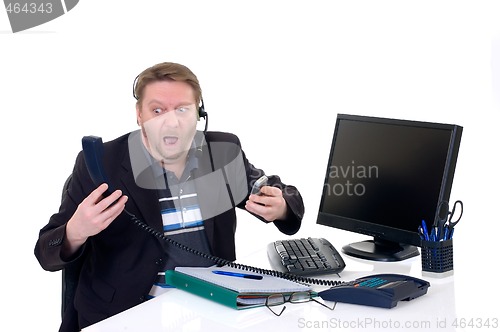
182 219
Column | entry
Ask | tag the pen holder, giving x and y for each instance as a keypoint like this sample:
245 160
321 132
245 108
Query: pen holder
437 258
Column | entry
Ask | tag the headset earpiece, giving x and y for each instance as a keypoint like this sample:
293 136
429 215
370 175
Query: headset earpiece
201 110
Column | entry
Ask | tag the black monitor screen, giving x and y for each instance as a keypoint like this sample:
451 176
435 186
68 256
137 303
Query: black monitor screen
385 176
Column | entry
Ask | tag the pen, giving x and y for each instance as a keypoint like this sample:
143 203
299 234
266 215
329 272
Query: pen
239 275
450 233
446 233
425 231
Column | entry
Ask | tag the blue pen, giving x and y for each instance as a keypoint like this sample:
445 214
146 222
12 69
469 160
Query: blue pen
446 233
436 233
239 275
424 229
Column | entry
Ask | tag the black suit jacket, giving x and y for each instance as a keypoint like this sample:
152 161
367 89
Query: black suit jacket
120 264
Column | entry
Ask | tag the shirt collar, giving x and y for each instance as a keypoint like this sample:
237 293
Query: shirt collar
158 170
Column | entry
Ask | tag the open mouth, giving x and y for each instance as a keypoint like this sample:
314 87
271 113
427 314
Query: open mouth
170 140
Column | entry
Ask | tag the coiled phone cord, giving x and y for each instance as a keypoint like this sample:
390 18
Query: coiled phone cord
224 262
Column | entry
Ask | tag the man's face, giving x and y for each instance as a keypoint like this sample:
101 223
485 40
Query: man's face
167 116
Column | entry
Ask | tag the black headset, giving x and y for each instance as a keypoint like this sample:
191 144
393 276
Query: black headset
201 109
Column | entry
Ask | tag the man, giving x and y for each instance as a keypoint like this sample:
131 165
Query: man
172 178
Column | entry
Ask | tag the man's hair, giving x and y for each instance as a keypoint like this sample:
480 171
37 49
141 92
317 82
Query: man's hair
166 71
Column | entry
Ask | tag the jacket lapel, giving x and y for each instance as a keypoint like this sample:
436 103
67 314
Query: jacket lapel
143 195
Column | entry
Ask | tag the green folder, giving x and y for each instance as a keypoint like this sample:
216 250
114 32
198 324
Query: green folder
204 288
223 295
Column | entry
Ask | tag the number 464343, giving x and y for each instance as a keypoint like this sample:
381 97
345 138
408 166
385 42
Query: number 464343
475 323
29 8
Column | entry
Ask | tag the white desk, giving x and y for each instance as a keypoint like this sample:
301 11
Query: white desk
181 311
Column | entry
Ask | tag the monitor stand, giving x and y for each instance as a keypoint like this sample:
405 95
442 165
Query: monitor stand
380 250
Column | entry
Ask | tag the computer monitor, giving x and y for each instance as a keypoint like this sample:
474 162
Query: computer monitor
384 176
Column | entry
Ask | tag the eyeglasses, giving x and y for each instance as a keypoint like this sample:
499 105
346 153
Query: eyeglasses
297 297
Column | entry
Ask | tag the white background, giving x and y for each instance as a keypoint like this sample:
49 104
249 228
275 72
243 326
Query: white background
274 72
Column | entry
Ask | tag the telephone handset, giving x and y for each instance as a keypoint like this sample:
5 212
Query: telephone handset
93 151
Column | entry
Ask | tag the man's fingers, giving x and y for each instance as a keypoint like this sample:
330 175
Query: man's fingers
270 191
106 202
96 195
110 214
97 199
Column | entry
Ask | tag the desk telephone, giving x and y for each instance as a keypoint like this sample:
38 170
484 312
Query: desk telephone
377 290
380 290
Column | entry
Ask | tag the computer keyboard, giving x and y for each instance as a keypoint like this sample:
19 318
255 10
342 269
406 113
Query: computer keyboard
305 257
